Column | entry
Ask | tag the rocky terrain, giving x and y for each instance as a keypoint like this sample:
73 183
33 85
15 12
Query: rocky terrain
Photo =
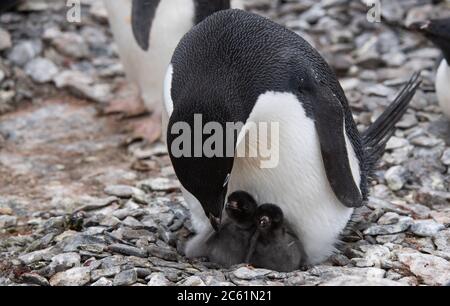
83 202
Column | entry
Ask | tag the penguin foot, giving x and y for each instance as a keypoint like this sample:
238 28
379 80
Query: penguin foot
147 127
127 104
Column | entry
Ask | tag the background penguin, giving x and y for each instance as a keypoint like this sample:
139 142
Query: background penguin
241 67
146 33
438 31
229 245
274 245
8 4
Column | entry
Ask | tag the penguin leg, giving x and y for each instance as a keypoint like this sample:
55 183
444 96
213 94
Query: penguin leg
148 127
127 103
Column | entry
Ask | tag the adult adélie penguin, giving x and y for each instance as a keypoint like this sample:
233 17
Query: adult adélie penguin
146 33
241 67
438 32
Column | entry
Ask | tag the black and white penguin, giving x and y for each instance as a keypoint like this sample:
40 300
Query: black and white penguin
240 67
146 33
438 32
274 246
8 4
230 244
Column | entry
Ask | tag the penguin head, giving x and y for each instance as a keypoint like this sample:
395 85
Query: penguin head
241 207
203 175
269 217
437 31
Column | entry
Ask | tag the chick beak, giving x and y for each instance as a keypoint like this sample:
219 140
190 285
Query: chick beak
264 221
215 222
420 26
232 205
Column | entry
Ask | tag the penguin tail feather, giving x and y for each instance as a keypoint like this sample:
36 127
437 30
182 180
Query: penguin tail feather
379 133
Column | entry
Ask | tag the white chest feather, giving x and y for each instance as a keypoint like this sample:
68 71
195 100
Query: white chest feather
443 87
172 20
298 184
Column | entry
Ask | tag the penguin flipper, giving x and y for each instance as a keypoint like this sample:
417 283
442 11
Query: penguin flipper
142 14
329 121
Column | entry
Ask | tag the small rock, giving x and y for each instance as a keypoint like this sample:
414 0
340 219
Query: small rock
41 70
127 250
33 278
7 221
426 141
250 274
396 143
159 184
193 281
95 204
98 11
72 243
442 217
432 270
98 92
339 260
326 273
121 191
297 280
389 218
79 276
395 238
360 281
68 78
401 226
71 44
408 121
426 228
29 258
130 234
65 261
446 157
125 278
158 279
442 240
132 222
102 273
395 177
375 255
25 51
162 252
5 39
103 282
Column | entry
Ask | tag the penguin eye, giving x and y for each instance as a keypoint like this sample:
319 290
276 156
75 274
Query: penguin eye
226 180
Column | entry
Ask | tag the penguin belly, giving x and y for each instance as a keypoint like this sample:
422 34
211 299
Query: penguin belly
443 87
172 20
298 184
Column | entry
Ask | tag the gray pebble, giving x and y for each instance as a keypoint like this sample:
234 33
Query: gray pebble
125 278
79 276
41 70
426 228
127 250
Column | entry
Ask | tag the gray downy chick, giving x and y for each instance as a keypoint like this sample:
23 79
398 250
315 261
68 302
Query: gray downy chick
275 246
229 246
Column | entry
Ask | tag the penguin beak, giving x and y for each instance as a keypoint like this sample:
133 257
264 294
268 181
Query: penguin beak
420 26
233 205
214 209
264 222
215 222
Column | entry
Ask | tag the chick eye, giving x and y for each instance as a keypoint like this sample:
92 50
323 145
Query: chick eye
226 180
